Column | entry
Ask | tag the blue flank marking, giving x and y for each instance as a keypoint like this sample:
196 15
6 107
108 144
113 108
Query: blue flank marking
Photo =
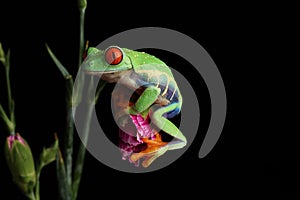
170 91
172 113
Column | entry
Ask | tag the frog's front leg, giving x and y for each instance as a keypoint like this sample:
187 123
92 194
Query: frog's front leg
146 99
124 105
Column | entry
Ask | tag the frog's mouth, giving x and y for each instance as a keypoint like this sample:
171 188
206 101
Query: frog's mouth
98 73
109 76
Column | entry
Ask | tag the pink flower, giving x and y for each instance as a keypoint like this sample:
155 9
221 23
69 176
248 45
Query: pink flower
140 141
14 138
129 144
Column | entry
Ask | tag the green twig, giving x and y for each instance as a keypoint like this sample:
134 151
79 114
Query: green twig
99 89
82 149
9 124
81 152
69 129
82 7
8 119
82 4
31 196
9 96
37 186
69 132
63 190
91 101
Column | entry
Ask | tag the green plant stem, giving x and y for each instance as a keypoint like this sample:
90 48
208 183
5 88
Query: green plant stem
81 34
82 152
64 190
91 100
8 119
9 98
69 132
10 125
78 89
82 146
37 186
64 169
69 145
31 196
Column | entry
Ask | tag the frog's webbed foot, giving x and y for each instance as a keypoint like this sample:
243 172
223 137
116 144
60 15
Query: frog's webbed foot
149 136
147 148
155 148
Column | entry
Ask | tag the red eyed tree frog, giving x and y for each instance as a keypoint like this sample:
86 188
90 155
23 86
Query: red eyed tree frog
158 98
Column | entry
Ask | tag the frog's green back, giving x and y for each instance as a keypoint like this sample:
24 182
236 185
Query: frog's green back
152 70
143 61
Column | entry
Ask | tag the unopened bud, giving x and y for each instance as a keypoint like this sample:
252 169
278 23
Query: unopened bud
82 4
20 163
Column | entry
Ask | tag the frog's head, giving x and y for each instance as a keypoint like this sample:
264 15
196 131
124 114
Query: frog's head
111 60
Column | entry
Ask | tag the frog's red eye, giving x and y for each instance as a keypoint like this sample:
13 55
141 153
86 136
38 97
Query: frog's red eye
113 55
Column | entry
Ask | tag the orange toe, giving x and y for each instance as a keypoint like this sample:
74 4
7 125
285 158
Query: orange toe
152 147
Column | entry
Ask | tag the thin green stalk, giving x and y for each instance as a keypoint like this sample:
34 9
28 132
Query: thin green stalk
91 101
81 152
9 96
10 125
63 190
82 6
100 86
8 88
69 129
82 149
7 69
9 120
37 186
69 132
31 196
77 93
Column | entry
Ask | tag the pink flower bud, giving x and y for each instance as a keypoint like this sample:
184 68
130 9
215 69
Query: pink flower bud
20 163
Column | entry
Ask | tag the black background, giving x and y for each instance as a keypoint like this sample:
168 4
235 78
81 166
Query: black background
238 162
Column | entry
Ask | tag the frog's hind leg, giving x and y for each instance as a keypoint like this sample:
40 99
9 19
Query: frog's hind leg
157 117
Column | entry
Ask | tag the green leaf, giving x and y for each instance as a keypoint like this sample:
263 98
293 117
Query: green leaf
2 54
64 188
48 155
7 60
62 69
